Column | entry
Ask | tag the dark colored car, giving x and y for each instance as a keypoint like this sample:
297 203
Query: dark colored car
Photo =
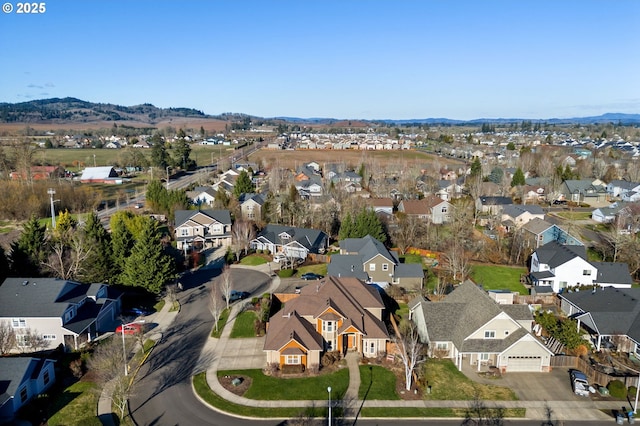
311 276
135 312
237 295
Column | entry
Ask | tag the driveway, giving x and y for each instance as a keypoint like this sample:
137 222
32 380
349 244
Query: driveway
552 386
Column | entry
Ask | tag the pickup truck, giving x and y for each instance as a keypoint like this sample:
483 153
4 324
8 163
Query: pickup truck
579 383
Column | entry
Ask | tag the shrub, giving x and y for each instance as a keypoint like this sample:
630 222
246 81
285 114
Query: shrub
330 358
617 389
314 369
285 273
77 368
632 390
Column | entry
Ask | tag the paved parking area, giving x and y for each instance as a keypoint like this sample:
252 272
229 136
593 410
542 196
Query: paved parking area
243 353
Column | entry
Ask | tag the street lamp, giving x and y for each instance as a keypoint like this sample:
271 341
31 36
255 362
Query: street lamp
329 390
124 348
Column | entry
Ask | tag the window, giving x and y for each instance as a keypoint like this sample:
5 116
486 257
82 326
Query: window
19 322
442 346
45 377
22 340
327 326
371 347
23 394
184 232
49 336
444 210
372 266
484 357
586 272
292 359
385 266
68 315
489 334
563 284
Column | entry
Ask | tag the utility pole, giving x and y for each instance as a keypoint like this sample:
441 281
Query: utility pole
167 178
51 193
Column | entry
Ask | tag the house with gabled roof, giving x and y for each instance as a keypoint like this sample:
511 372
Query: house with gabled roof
563 267
583 191
610 315
64 312
516 215
251 206
21 380
332 314
201 229
538 232
369 260
468 326
616 188
295 243
102 174
486 204
202 195
432 208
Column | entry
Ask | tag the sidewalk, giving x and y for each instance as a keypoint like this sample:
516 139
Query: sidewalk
163 319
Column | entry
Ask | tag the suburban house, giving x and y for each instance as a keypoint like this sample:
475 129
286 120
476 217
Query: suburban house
382 205
369 260
617 188
293 242
308 180
251 206
468 326
202 229
333 314
583 191
611 315
517 215
492 204
103 174
21 380
39 173
448 189
533 193
202 195
538 232
562 267
226 181
64 312
432 209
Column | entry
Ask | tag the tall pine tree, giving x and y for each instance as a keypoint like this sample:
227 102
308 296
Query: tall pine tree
98 265
121 244
148 266
28 251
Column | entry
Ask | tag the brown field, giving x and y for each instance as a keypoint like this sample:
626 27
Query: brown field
210 125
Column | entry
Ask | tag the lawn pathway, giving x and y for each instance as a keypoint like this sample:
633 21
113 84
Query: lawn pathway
351 396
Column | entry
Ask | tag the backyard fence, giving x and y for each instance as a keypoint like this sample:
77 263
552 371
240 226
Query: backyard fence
594 375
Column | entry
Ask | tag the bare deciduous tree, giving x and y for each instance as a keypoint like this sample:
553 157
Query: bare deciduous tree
68 256
479 414
411 350
226 284
242 234
216 304
7 337
30 340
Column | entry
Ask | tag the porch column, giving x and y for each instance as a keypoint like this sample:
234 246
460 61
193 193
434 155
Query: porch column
478 355
599 342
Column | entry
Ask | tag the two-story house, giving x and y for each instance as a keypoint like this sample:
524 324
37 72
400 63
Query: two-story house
538 232
468 326
202 195
201 229
369 260
517 215
583 191
333 314
251 206
61 311
432 209
21 380
295 243
617 188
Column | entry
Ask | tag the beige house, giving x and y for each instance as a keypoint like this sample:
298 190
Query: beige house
334 314
251 206
470 327
201 229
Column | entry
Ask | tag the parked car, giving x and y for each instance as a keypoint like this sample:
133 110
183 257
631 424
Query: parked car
136 312
279 257
237 295
579 383
311 276
134 328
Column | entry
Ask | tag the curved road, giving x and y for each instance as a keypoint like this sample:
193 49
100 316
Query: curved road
163 394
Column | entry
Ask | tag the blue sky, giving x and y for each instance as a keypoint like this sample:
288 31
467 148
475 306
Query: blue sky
343 59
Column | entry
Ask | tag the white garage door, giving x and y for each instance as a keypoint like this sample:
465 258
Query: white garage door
524 363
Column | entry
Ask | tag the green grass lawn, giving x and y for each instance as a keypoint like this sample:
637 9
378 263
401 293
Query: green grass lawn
574 215
253 260
221 323
244 325
411 258
76 405
271 388
316 269
377 383
494 277
403 310
448 383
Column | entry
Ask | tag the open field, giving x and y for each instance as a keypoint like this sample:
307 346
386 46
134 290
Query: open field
209 124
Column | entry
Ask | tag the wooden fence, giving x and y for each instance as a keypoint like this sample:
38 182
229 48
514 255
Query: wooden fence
594 375
546 299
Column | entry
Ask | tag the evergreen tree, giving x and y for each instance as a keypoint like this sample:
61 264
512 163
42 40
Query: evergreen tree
121 245
148 266
4 265
182 152
159 155
346 227
365 223
28 251
221 199
496 175
518 178
243 185
476 168
98 265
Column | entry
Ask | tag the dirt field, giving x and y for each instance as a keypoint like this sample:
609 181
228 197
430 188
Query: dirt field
210 125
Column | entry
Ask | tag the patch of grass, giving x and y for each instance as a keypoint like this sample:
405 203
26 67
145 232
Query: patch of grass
244 325
175 306
403 310
76 405
204 391
253 260
494 277
449 384
377 382
574 215
221 323
320 268
411 258
158 306
269 388
407 412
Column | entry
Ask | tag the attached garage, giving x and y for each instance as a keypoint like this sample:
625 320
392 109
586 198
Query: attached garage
524 363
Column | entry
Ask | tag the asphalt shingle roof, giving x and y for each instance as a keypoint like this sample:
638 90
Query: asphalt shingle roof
555 254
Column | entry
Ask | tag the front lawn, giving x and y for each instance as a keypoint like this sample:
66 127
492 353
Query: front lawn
253 260
244 325
316 269
377 382
221 323
494 277
448 383
76 405
271 388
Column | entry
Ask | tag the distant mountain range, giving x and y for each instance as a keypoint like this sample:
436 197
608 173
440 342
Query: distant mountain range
76 111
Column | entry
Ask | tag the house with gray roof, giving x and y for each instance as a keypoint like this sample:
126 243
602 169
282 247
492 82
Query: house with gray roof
251 206
64 312
369 260
202 195
611 315
295 243
616 188
563 267
21 380
202 229
486 204
517 215
583 191
468 326
538 232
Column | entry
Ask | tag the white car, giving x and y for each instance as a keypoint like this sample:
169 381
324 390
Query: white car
279 257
